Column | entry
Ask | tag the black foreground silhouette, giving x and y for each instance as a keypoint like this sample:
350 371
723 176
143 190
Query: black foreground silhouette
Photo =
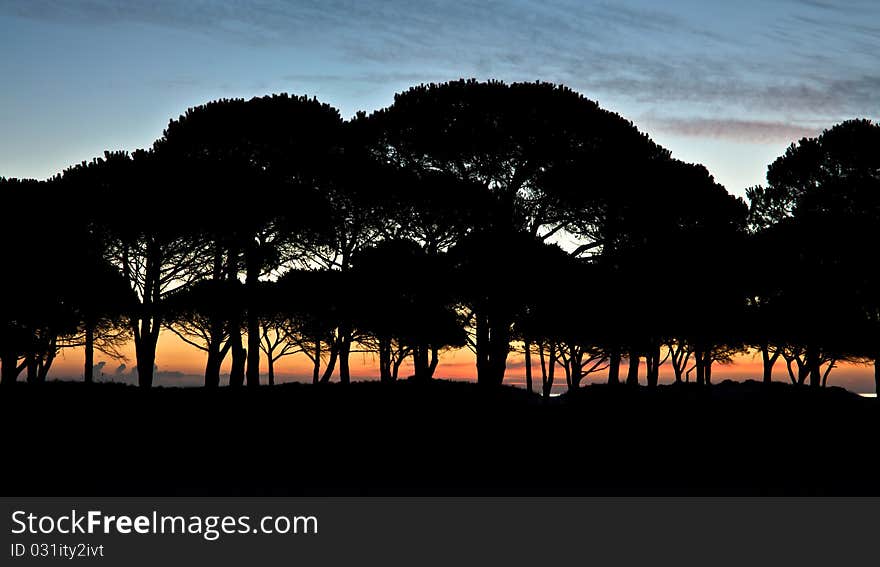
438 438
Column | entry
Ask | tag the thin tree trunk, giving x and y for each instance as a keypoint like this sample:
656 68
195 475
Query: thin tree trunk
316 370
700 366
547 386
877 375
239 358
239 353
331 362
147 333
252 273
46 363
344 352
31 367
528 355
769 361
482 346
435 360
499 337
385 359
614 367
145 352
9 371
216 354
825 374
420 362
395 369
212 368
89 364
813 366
652 360
216 351
632 375
679 360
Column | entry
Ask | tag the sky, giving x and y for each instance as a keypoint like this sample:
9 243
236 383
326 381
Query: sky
725 84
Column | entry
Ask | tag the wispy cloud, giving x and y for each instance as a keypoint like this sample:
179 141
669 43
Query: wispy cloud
752 131
773 65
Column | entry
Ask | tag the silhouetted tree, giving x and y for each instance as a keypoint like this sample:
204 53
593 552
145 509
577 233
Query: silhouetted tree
154 247
821 204
504 138
278 333
312 304
357 191
102 302
409 312
271 152
44 258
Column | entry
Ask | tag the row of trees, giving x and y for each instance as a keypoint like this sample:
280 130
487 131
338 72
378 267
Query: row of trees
497 217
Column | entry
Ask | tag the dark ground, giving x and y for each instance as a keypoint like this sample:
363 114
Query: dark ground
444 438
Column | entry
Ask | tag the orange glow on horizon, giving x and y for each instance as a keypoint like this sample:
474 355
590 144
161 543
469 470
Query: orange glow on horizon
181 364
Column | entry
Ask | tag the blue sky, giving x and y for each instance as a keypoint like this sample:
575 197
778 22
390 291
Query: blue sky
721 83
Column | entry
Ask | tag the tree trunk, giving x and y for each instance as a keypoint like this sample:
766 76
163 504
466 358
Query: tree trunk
9 369
316 369
577 375
481 346
652 361
632 374
420 362
239 353
528 361
145 351
270 367
576 372
239 358
331 362
679 360
395 369
385 360
803 372
877 375
493 346
700 366
46 363
89 365
212 368
768 362
252 274
813 366
344 351
547 386
216 352
31 368
252 373
614 367
500 340
146 329
435 360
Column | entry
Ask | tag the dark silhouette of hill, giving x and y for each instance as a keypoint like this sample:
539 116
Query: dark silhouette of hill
437 438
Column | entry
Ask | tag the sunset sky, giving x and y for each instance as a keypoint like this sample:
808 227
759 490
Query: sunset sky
726 84
181 365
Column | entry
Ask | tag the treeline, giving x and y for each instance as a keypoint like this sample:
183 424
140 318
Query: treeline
499 217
